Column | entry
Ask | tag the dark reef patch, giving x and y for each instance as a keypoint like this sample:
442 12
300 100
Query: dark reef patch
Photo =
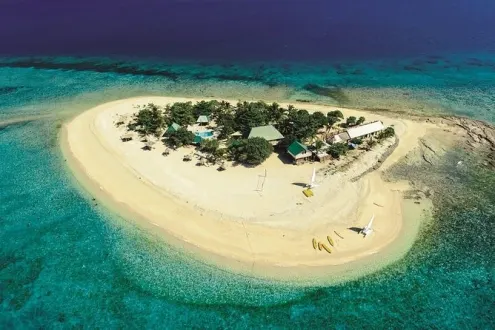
412 68
335 93
115 67
9 89
236 77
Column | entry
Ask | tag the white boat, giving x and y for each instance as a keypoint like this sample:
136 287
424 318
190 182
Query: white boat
312 183
367 229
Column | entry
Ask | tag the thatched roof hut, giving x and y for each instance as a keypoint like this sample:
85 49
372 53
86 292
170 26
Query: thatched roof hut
236 135
148 145
203 120
127 137
174 127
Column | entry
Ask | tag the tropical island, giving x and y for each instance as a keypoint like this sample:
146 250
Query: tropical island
255 185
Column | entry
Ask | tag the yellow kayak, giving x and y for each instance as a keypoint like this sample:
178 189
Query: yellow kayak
326 248
330 240
319 246
314 244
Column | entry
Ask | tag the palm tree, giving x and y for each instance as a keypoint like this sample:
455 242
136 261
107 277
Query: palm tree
318 145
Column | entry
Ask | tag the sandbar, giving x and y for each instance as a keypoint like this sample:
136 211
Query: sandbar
225 218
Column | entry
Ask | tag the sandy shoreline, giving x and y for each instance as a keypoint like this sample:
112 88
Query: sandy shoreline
273 231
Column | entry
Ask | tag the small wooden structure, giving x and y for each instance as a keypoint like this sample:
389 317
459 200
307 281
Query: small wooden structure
148 145
121 120
127 137
187 158
236 135
299 152
203 120
322 156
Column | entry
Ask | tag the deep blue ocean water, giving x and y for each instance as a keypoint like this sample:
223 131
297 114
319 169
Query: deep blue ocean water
66 262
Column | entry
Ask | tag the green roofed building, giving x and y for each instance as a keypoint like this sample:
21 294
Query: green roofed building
197 139
203 120
299 152
172 128
268 132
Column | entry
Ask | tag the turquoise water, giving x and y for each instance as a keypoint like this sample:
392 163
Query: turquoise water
205 134
66 262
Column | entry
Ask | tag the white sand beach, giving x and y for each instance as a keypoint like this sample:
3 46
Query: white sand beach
226 214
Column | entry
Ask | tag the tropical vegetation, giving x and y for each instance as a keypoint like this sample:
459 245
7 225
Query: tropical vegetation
338 149
179 138
148 121
253 151
386 133
292 123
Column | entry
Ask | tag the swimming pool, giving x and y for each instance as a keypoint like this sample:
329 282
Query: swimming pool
205 134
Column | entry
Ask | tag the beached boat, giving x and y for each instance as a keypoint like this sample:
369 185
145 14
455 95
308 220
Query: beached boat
330 240
326 248
314 244
367 229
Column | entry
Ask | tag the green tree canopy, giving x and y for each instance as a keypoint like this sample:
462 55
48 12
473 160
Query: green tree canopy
334 117
360 120
148 120
319 119
274 113
249 115
220 109
388 132
338 149
350 121
209 145
253 151
226 123
180 137
336 114
319 144
299 125
332 121
181 113
206 108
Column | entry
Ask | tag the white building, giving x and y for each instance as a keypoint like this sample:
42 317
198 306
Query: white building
361 131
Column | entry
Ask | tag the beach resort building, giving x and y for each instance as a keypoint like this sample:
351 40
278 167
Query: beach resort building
203 120
127 137
236 135
174 127
268 132
361 131
321 155
299 153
